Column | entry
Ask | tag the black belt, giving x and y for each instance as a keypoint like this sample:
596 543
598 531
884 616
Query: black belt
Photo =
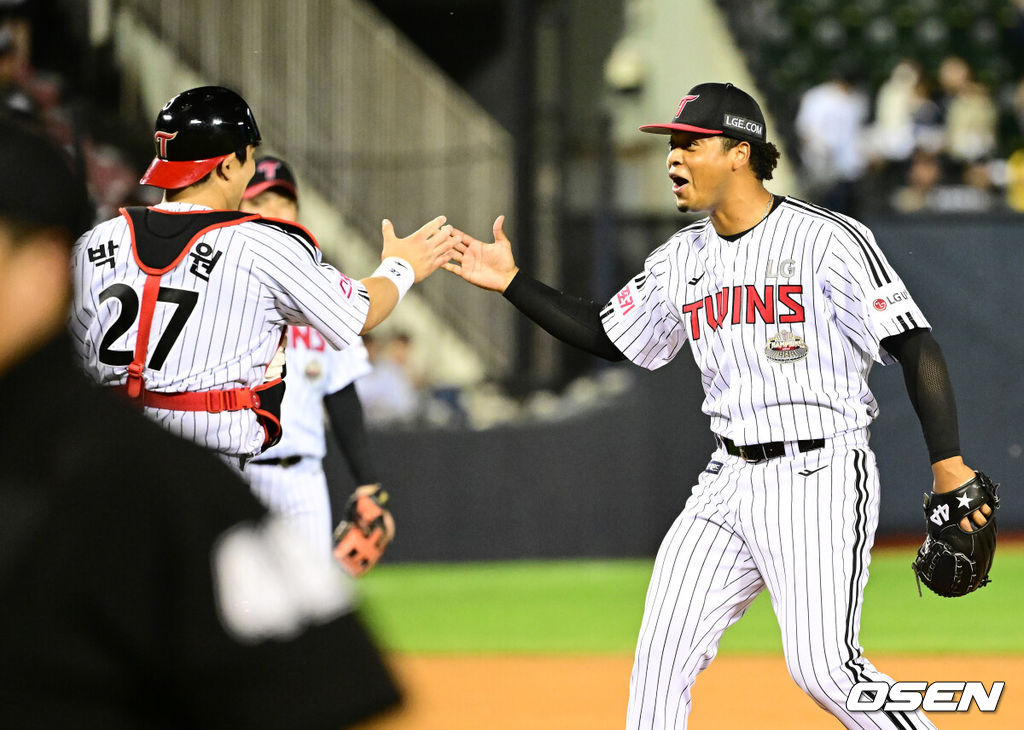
283 463
759 452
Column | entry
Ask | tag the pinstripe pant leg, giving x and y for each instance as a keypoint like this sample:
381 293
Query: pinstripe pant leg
299 494
814 536
702 583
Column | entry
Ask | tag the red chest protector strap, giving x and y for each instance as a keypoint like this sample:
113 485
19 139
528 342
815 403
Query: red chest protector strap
264 400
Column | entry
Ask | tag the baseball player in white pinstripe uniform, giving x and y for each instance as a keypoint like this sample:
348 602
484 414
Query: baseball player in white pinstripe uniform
182 307
785 306
289 477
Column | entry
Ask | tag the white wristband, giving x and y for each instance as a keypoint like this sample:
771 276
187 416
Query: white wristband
399 271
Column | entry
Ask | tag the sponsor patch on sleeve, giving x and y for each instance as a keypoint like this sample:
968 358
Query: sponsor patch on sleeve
346 286
624 300
890 302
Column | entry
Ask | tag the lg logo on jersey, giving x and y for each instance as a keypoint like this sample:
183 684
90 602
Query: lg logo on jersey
882 304
934 697
785 270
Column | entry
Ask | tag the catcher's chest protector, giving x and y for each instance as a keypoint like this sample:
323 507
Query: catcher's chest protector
161 241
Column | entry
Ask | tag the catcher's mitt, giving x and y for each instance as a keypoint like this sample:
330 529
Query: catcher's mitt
953 562
360 539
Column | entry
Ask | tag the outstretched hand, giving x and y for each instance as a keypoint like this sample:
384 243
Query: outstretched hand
487 265
425 250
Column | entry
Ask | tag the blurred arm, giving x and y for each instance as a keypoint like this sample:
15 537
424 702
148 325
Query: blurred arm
345 413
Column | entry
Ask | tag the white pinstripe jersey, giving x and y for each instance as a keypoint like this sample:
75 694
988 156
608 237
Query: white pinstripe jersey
783 320
237 289
315 370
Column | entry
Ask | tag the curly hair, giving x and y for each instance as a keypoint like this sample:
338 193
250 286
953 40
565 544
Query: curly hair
764 156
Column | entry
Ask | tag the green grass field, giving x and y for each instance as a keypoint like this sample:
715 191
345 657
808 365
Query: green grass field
561 607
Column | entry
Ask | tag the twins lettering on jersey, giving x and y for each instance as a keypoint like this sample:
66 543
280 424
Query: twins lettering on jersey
746 304
306 338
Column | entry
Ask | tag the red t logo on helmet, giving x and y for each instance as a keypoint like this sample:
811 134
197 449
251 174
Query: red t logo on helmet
684 101
161 141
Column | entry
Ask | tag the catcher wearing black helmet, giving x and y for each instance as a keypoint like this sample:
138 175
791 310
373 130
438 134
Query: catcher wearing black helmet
196 131
182 307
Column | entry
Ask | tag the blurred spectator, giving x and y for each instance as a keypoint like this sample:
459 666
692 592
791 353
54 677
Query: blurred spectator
953 137
40 97
923 177
13 97
400 351
906 117
954 76
970 114
112 182
971 125
1015 181
926 118
893 131
1017 107
389 392
925 190
15 19
830 123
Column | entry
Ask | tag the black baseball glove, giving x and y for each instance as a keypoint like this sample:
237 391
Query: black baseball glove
953 562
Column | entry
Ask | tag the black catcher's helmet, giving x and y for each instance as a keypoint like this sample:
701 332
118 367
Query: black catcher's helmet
195 131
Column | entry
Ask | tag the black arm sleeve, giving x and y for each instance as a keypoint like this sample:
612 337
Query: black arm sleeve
345 412
931 393
575 321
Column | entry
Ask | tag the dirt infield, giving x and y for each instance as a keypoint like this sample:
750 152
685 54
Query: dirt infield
589 693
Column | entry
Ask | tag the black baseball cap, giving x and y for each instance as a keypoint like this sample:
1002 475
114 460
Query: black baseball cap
715 108
38 186
272 173
195 131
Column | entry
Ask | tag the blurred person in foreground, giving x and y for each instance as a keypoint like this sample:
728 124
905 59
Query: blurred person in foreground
289 477
140 581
